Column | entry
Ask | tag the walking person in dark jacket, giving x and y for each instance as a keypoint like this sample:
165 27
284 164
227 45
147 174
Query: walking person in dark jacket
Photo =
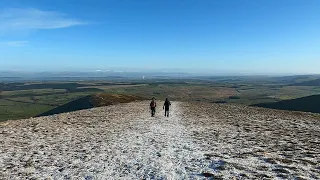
166 107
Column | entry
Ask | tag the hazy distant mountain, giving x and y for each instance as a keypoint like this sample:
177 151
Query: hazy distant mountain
15 75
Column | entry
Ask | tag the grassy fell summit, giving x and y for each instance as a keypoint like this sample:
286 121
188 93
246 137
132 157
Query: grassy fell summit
91 101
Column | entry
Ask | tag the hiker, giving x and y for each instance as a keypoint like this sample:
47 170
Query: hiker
153 106
166 106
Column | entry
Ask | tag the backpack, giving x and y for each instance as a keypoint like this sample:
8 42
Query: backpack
167 103
153 104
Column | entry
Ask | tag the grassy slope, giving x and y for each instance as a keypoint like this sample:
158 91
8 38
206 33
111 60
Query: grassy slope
19 100
181 92
29 106
20 110
91 101
307 104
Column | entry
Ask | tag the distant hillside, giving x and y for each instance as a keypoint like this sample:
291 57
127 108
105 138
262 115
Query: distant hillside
306 104
92 101
315 82
296 78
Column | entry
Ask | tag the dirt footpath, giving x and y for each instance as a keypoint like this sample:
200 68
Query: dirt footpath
198 141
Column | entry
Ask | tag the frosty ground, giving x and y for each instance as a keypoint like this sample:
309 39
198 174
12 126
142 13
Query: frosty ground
198 141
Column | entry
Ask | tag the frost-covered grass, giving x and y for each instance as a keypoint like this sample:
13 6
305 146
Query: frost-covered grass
197 141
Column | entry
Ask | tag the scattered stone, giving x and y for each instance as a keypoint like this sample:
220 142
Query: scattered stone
207 174
281 170
300 178
271 161
158 154
284 176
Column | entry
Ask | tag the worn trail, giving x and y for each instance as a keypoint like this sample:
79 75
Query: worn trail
156 147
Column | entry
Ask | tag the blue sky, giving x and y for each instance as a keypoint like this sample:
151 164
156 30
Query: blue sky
231 36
